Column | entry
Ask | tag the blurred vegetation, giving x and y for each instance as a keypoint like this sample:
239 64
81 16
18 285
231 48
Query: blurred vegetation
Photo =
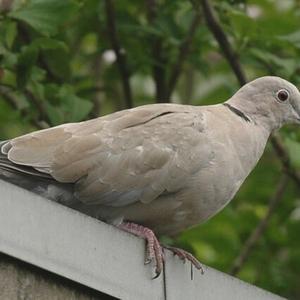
67 61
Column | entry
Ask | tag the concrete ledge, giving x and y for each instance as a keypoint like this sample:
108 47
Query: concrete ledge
97 255
20 280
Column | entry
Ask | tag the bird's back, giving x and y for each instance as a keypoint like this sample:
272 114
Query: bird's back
174 163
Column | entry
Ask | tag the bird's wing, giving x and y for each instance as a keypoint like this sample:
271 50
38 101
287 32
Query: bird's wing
129 156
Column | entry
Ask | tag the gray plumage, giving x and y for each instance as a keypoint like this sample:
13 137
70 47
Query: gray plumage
165 166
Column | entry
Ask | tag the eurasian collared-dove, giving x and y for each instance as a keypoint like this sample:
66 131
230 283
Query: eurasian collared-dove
162 166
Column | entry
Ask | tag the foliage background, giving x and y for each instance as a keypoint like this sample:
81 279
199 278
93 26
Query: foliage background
66 61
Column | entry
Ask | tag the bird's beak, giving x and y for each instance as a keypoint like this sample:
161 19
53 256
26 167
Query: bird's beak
296 111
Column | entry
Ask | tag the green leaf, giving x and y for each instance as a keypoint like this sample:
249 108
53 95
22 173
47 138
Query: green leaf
11 33
75 107
37 74
55 114
294 151
69 107
45 16
9 78
144 29
45 43
286 66
292 38
8 33
242 24
56 56
80 108
8 59
26 61
58 61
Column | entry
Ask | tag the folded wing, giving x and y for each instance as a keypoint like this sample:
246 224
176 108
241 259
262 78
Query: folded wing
129 156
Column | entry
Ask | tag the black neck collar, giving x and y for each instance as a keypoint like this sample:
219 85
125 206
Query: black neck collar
237 112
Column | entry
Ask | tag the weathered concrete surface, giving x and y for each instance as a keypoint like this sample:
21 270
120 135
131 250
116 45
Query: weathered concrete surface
20 281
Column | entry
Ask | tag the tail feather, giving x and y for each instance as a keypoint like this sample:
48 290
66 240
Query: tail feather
6 164
34 180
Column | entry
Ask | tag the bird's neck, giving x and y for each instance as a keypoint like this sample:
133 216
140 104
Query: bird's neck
249 136
260 115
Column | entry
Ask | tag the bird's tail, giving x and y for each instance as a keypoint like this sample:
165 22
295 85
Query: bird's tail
34 180
6 164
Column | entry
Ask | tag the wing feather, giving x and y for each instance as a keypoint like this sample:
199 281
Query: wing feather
129 156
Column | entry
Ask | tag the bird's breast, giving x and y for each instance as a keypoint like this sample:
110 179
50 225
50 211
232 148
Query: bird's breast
234 154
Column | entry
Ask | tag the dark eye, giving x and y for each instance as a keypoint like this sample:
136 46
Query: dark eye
283 95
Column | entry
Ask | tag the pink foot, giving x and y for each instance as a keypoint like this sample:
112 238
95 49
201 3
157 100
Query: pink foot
184 256
154 250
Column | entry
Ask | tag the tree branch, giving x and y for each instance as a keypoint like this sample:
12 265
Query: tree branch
160 60
221 38
183 53
159 72
233 60
43 116
26 38
282 154
97 89
120 53
261 227
151 10
10 99
13 102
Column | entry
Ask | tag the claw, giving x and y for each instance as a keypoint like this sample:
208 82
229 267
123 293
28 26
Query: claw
155 252
157 275
184 255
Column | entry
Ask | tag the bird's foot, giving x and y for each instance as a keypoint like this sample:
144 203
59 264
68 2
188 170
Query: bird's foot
184 256
154 251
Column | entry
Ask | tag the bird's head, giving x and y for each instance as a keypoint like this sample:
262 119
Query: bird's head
271 101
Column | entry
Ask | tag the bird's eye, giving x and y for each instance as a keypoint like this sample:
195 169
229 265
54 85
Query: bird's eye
282 95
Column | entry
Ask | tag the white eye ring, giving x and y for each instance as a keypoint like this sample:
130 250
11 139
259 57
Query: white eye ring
282 95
